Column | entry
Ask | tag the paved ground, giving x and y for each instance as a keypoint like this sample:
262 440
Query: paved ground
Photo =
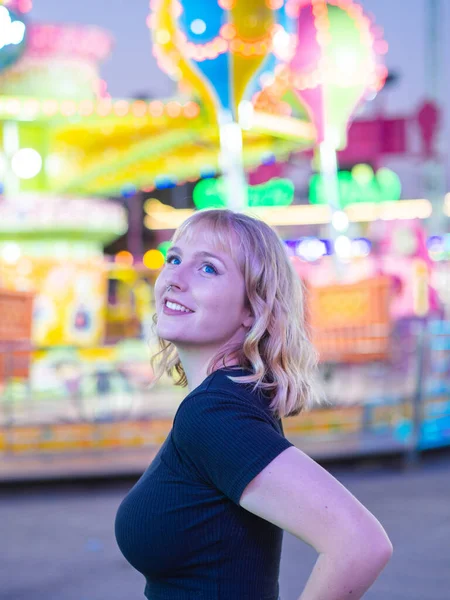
57 541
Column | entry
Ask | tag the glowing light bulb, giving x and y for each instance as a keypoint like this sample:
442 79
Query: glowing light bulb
339 220
343 247
162 36
26 163
198 26
124 258
361 247
311 249
153 259
10 253
282 44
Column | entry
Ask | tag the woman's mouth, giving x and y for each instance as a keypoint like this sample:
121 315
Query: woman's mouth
175 309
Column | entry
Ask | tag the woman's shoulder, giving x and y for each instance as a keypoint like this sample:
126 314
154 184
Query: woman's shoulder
224 383
219 391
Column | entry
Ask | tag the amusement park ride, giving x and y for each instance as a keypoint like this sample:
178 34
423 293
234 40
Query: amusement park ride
258 82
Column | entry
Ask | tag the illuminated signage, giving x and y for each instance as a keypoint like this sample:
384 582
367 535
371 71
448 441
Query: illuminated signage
211 193
360 184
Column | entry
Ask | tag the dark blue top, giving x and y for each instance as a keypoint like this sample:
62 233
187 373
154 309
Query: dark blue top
181 525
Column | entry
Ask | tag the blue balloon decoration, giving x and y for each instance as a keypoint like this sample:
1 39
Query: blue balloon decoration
213 17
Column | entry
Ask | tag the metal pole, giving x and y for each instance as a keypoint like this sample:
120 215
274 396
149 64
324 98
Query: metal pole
329 173
231 161
413 454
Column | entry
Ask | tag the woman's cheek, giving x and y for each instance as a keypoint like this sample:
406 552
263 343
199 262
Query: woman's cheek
217 302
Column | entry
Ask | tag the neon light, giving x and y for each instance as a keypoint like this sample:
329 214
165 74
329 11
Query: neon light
228 31
361 185
191 110
333 66
31 107
173 109
170 218
227 40
139 108
86 108
211 193
162 36
68 108
227 4
50 107
104 107
156 108
13 107
121 108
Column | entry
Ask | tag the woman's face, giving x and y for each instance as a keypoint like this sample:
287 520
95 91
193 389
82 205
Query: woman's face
205 307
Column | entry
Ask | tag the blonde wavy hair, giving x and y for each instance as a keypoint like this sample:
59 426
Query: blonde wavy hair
277 348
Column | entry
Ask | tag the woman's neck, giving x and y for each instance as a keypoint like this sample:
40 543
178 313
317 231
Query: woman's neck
196 363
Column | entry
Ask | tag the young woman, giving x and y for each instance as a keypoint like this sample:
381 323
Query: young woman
205 521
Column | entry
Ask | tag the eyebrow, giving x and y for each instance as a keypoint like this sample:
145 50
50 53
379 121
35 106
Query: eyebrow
201 253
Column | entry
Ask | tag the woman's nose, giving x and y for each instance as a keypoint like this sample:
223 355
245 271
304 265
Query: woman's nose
177 281
174 286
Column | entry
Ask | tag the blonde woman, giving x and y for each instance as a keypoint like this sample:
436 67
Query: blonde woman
205 521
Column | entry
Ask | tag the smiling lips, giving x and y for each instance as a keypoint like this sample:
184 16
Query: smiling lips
174 308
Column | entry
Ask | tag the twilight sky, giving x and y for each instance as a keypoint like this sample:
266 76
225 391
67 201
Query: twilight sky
131 68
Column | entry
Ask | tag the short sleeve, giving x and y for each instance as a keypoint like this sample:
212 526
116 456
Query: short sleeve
227 440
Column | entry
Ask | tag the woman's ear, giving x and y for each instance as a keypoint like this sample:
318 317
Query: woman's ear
248 320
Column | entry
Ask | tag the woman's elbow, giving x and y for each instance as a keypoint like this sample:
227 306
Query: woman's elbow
376 549
384 550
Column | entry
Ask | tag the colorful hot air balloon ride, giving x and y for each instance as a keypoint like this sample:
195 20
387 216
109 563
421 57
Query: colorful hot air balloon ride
218 48
336 64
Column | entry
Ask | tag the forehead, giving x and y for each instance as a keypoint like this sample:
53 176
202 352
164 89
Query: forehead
209 236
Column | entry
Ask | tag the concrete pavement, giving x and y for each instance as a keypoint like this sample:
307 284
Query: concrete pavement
57 541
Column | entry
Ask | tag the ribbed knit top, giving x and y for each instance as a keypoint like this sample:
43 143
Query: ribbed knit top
181 525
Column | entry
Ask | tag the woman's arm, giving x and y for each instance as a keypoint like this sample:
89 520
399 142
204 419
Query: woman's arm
298 495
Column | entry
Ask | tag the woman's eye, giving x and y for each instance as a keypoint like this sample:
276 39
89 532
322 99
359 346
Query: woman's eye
210 268
170 260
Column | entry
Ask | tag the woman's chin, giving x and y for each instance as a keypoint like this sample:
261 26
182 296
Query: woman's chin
168 335
165 335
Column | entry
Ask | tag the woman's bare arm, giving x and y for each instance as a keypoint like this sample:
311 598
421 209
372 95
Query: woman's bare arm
298 495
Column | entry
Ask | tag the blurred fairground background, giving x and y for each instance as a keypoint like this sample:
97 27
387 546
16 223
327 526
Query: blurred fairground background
326 118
